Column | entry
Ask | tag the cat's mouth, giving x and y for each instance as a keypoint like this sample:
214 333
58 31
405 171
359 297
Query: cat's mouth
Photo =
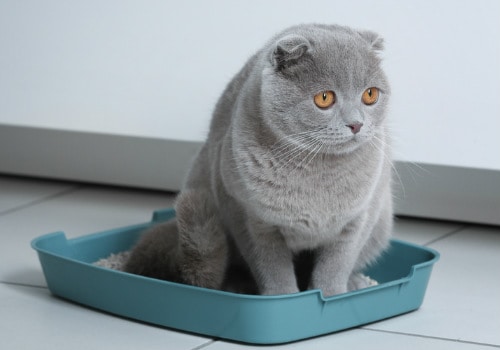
341 143
320 141
338 137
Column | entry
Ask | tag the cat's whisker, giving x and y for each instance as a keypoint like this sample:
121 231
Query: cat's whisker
287 147
414 169
296 142
388 128
315 152
289 138
284 153
304 160
318 147
294 137
289 141
298 152
383 147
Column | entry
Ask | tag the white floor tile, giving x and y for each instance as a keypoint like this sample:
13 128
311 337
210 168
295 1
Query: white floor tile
95 209
462 300
89 210
17 192
359 339
421 231
33 319
461 303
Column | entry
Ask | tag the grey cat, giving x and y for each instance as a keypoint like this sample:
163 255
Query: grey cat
295 173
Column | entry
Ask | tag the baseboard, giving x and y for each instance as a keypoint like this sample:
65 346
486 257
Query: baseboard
97 158
448 193
422 190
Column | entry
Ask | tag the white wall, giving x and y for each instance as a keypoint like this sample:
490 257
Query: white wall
121 91
156 68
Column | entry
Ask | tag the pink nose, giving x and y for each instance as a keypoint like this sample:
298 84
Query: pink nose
355 128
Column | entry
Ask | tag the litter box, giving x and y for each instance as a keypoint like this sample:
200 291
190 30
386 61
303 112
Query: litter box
403 273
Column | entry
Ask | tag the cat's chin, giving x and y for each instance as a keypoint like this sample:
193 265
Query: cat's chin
344 148
343 151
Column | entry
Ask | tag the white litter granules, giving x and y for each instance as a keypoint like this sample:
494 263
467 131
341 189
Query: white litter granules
114 261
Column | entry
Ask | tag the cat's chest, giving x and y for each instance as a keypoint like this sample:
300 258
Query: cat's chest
319 197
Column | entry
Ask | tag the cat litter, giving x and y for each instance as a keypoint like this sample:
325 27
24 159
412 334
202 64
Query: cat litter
69 267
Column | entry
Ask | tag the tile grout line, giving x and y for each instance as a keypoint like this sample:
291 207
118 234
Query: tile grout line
201 346
457 230
23 285
204 345
430 337
41 200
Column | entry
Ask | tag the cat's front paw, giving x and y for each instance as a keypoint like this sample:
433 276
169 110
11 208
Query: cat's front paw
360 281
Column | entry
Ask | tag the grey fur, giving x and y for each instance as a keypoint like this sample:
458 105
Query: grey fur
278 176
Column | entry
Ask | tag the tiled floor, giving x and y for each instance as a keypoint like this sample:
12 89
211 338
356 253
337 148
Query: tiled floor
461 309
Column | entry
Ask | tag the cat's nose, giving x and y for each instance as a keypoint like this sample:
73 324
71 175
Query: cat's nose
355 128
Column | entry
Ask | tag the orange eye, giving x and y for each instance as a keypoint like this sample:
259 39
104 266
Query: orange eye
370 96
324 99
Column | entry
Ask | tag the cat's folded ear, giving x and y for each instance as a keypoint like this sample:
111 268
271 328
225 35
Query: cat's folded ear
289 50
375 41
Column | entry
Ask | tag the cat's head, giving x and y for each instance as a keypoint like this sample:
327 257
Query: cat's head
323 88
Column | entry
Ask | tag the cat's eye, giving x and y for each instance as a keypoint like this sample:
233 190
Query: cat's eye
324 99
370 96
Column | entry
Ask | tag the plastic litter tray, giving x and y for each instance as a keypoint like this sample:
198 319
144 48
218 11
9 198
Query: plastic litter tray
403 273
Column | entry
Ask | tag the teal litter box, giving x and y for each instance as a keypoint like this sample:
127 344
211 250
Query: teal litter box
403 273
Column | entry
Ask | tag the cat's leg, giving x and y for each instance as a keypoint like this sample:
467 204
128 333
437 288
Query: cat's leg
336 260
269 259
377 242
338 265
203 247
332 269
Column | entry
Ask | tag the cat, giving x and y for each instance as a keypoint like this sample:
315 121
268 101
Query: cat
295 173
